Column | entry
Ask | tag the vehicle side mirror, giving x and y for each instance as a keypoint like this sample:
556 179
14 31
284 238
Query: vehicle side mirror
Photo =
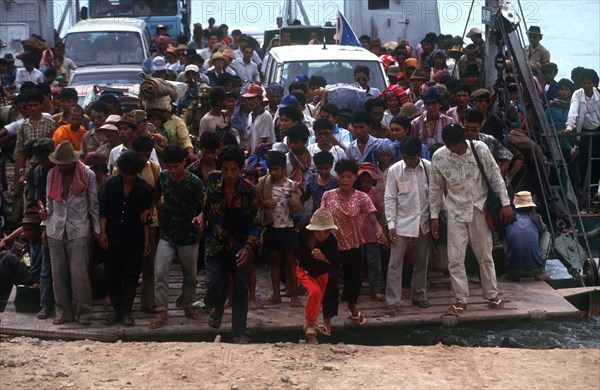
83 13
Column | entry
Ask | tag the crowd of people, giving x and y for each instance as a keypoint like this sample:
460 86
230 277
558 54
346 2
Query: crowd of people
234 172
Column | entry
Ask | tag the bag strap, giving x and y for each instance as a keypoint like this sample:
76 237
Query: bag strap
485 178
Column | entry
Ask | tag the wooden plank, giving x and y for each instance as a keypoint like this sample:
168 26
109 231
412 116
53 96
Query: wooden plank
567 292
524 301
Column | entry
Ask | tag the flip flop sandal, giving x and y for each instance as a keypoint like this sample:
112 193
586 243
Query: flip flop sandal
271 301
391 310
359 319
323 330
191 313
379 297
310 330
214 321
158 322
456 310
496 304
422 304
296 302
61 320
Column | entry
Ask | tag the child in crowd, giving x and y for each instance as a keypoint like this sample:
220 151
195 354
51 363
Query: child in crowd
324 136
321 181
318 252
400 131
288 118
342 137
349 207
300 164
367 179
280 199
558 111
209 145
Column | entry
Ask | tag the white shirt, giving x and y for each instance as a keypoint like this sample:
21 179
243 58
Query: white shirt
255 57
247 72
406 198
462 178
259 127
35 76
337 153
117 151
584 112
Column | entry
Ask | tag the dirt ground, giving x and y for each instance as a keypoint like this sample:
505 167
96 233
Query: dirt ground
36 364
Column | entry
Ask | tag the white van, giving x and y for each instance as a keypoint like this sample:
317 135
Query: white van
335 63
118 41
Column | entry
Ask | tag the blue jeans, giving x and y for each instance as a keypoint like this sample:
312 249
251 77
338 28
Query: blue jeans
217 267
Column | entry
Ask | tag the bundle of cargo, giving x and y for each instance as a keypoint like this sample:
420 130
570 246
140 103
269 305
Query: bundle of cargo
157 93
346 96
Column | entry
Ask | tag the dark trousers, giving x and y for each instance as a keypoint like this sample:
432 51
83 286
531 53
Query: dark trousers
352 266
12 272
122 269
217 266
584 162
331 299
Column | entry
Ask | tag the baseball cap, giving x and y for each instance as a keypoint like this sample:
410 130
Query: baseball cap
288 101
192 68
158 63
253 90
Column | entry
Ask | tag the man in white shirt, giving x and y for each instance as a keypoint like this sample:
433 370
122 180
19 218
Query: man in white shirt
407 214
242 42
260 126
584 116
455 169
28 73
245 68
127 128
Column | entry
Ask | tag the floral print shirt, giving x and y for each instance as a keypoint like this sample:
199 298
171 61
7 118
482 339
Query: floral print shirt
348 216
230 227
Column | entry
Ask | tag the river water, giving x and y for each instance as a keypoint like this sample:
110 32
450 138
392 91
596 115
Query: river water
571 28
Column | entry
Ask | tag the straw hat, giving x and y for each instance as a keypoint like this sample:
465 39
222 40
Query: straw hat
112 119
322 219
410 110
419 74
64 154
31 217
128 120
523 199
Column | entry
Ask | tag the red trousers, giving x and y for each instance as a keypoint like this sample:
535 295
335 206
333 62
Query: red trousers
316 290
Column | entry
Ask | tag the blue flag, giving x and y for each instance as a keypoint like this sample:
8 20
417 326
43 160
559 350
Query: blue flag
345 35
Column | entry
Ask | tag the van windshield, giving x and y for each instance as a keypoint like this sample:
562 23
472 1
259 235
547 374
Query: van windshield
101 48
334 71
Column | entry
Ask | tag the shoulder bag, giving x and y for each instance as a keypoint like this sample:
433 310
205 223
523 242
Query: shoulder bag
493 205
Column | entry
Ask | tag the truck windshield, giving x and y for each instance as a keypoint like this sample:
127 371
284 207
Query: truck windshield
334 71
104 48
132 8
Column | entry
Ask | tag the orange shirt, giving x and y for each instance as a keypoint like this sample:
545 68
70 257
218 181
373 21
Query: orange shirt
64 133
